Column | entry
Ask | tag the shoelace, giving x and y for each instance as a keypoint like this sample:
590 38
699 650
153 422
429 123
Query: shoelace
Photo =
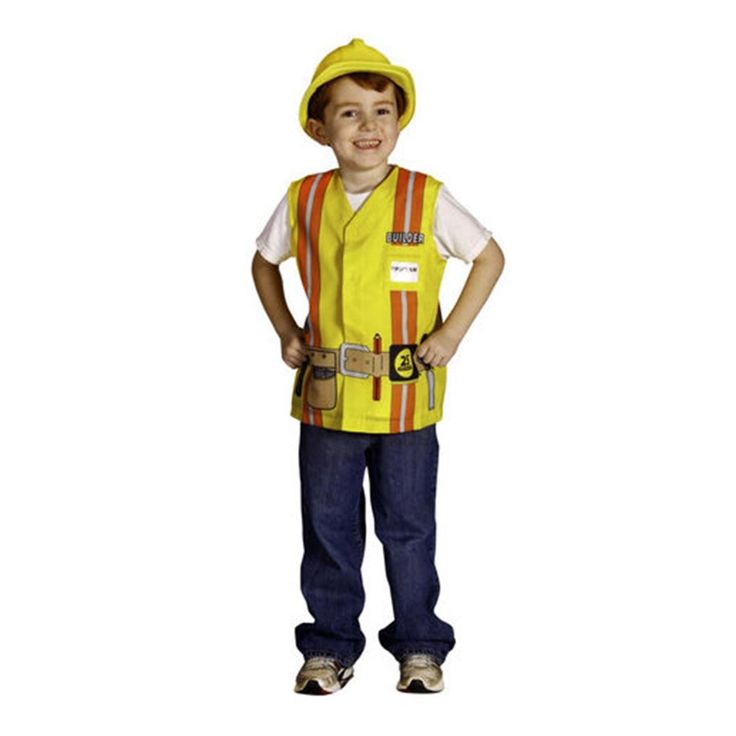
314 663
420 660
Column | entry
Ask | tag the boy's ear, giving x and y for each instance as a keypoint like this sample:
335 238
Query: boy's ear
316 130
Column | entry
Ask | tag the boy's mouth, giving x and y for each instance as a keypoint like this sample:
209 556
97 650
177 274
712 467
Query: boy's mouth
366 144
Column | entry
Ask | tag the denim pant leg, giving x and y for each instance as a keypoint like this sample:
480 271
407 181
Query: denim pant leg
403 475
332 467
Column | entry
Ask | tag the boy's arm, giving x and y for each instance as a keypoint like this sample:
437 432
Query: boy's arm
441 345
270 289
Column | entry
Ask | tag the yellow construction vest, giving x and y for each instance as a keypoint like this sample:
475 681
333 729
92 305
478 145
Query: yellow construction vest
372 279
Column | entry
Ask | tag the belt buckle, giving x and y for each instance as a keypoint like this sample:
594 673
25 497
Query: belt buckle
343 359
401 366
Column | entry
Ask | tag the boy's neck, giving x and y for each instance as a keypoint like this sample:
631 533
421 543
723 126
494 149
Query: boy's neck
356 182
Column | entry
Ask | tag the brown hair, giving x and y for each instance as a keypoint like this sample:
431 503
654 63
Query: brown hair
367 80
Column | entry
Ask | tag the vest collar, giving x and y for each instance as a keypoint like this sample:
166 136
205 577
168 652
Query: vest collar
382 191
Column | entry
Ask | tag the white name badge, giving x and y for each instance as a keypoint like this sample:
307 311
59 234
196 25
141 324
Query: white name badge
406 272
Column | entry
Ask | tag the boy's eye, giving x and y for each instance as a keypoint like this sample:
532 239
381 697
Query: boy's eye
384 110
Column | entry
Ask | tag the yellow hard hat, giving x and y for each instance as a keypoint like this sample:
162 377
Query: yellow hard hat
357 57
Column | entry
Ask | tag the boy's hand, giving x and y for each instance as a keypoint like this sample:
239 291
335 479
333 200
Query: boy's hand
438 348
293 348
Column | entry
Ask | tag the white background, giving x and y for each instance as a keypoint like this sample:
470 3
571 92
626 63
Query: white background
150 534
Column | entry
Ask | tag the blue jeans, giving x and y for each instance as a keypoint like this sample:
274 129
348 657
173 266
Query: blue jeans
402 469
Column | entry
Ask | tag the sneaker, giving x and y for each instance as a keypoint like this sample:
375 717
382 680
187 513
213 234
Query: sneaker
420 673
321 676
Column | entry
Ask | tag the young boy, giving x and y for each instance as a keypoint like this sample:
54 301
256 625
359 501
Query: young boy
371 240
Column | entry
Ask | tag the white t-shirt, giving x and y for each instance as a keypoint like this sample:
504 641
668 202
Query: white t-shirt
456 232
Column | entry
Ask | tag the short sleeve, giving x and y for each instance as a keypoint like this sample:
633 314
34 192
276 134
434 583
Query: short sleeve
274 242
456 232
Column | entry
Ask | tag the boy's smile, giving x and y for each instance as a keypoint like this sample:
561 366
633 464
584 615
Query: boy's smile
362 127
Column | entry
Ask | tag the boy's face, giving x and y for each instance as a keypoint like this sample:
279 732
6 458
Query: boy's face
354 118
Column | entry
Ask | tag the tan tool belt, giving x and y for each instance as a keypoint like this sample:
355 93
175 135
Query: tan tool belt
399 363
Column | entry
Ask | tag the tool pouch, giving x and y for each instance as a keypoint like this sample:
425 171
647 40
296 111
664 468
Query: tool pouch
322 381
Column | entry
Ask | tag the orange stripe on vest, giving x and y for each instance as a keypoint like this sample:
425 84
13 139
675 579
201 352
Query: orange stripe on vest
403 331
309 214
